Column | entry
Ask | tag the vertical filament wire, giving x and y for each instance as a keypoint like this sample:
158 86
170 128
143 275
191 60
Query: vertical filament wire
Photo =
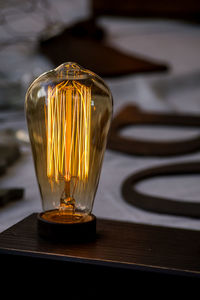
68 121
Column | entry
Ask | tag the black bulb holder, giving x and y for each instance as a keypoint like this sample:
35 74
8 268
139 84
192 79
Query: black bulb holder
82 231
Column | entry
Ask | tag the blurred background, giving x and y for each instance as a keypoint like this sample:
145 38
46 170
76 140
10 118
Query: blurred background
148 54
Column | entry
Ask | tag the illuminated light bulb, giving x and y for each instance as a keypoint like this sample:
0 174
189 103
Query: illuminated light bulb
68 113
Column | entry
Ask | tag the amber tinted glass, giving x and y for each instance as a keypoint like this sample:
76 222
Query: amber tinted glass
68 114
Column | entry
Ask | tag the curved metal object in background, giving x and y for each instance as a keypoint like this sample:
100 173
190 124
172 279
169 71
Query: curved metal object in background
161 204
131 115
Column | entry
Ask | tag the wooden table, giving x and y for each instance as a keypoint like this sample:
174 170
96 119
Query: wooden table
124 256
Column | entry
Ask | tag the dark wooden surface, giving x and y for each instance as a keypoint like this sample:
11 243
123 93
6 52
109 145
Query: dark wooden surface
125 259
118 244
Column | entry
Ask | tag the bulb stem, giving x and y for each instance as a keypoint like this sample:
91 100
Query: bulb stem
67 188
67 202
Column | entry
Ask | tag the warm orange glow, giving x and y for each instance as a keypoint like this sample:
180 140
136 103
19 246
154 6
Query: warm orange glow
68 120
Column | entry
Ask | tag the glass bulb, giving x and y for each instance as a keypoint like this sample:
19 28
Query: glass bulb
68 113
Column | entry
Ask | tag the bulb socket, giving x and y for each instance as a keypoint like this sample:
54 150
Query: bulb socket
82 231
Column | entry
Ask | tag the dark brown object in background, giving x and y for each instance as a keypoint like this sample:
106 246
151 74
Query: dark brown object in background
162 205
131 115
125 257
9 147
178 9
84 43
10 194
9 154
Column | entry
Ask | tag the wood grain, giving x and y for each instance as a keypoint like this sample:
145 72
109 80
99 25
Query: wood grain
118 244
125 259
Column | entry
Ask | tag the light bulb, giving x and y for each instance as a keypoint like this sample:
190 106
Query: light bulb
68 113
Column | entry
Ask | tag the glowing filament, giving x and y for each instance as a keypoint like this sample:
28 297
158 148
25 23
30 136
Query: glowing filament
68 118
